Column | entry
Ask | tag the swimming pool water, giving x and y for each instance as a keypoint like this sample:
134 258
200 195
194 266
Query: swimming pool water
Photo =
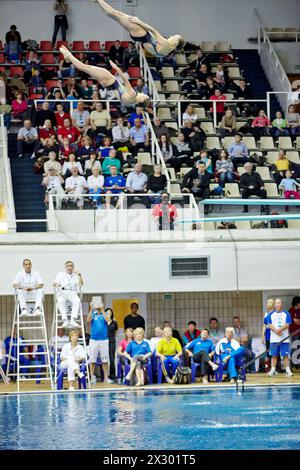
260 418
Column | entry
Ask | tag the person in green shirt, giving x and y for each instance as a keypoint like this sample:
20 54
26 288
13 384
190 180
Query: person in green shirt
112 160
5 109
279 126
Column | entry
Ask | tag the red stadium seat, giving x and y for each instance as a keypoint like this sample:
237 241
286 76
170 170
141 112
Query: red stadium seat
49 59
108 44
46 46
16 70
95 46
50 84
2 58
62 43
124 44
134 72
78 46
2 69
1 46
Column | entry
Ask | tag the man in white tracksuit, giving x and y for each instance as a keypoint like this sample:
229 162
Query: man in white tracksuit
68 284
29 285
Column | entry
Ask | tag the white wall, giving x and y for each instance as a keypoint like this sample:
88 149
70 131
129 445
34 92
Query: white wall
196 19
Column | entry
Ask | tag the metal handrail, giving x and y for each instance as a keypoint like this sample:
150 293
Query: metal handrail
8 189
147 75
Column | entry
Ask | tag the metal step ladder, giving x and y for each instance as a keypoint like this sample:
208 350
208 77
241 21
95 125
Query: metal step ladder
33 328
56 323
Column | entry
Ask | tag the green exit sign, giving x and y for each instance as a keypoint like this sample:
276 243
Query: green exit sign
168 297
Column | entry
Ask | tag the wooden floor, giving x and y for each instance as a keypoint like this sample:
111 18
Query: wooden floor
254 379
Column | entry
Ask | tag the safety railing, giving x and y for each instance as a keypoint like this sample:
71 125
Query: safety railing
270 61
6 185
147 75
284 35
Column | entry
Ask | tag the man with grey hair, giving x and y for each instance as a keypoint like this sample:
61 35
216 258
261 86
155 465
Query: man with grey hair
76 185
53 184
251 184
230 352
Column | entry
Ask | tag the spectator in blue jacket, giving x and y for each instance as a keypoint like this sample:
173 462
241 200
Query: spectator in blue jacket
191 333
238 152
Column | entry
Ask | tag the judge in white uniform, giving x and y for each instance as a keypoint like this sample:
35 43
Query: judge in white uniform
76 185
68 284
29 285
71 355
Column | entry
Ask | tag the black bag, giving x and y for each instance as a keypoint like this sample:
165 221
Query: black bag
182 376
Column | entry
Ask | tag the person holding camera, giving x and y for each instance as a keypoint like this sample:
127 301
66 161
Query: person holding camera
53 183
60 20
165 213
27 140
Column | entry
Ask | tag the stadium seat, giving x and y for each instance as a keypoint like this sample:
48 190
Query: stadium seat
167 72
78 46
2 69
175 188
271 157
243 225
208 127
172 85
184 170
234 72
293 224
227 141
134 72
144 158
158 85
213 143
209 226
249 142
223 46
49 59
62 43
232 190
16 70
285 143
293 157
240 124
164 113
181 59
266 143
46 46
95 46
50 84
264 172
1 46
108 45
272 190
200 113
124 44
174 96
297 144
171 172
2 58
207 46
174 140
172 125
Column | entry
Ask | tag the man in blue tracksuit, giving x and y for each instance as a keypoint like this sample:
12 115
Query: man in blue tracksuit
230 352
24 359
202 350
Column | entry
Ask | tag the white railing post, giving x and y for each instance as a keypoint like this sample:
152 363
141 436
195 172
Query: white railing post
215 113
269 105
7 180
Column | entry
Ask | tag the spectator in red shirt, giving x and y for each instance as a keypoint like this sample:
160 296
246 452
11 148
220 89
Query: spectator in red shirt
69 131
295 314
260 125
46 131
19 107
65 149
220 107
61 115
165 213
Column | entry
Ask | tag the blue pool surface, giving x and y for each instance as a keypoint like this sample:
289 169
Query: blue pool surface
260 418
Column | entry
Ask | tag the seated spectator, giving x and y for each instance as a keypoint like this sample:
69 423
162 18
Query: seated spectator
136 183
111 160
251 184
281 165
194 135
220 77
224 169
17 85
85 91
114 184
202 350
165 213
201 76
139 114
191 333
165 147
58 87
100 120
71 356
134 319
65 69
58 97
227 126
190 115
52 163
131 56
43 114
289 186
279 322
37 83
158 334
242 90
238 152
197 182
220 107
95 184
27 140
65 149
53 184
175 333
72 90
139 137
209 89
76 185
182 153
120 135
57 342
279 126
156 183
81 118
260 125
5 109
241 336
71 163
46 131
201 59
19 107
207 160
92 163
49 145
230 352
137 352
85 148
116 53
60 115
141 87
215 333
168 351
70 132
105 148
32 63
160 128
293 122
128 333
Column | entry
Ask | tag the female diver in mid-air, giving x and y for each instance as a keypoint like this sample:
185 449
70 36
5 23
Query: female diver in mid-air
123 92
143 33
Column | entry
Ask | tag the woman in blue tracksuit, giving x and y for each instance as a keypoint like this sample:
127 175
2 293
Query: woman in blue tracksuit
138 353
